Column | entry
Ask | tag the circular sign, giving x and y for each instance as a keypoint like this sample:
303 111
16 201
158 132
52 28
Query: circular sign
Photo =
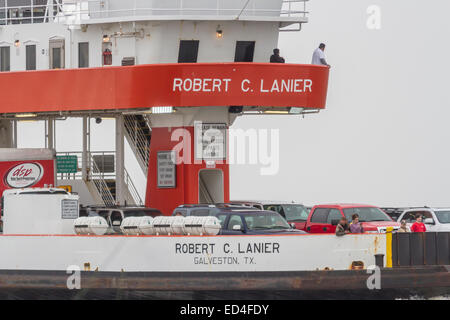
24 175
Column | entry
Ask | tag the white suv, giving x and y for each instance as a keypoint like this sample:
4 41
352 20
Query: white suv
435 219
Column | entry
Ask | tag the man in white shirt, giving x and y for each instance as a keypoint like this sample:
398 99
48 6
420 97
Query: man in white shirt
319 56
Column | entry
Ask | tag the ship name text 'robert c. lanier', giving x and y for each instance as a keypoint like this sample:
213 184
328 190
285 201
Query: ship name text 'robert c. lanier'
247 86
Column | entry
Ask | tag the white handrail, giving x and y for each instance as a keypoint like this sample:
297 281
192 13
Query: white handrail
82 10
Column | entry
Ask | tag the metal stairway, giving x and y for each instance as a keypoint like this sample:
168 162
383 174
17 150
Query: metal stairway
138 134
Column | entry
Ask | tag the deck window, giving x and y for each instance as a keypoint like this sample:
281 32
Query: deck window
244 51
5 63
30 57
188 51
83 55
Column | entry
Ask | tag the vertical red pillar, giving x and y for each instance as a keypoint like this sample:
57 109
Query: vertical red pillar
186 190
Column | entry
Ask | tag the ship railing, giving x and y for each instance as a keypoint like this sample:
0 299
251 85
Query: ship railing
99 174
132 189
138 140
81 11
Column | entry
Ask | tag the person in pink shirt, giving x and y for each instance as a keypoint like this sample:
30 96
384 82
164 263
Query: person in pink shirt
418 226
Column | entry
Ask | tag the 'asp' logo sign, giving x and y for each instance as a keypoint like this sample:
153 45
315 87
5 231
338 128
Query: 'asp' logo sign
24 175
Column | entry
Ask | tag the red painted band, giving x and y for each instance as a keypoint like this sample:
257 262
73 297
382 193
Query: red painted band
178 85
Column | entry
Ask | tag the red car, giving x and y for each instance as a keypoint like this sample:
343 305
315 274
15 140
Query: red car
324 218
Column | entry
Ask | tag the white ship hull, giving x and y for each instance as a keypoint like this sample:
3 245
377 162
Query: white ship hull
189 254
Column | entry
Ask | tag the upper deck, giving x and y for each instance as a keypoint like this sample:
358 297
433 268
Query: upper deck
85 12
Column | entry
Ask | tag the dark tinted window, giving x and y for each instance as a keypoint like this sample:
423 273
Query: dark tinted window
56 63
320 215
31 57
4 59
141 213
83 55
244 51
200 212
334 214
188 51
116 216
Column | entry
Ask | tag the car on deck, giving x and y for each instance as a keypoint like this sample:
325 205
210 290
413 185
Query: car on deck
435 219
295 213
324 218
251 222
202 210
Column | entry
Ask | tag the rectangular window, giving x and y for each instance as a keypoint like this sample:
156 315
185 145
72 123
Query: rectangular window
83 55
56 54
188 51
320 215
5 59
56 61
31 57
244 51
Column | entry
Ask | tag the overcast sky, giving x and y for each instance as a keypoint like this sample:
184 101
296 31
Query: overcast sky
384 137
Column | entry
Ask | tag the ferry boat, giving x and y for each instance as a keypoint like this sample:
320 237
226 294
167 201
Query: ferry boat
174 74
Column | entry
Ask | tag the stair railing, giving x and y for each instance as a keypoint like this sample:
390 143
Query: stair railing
139 141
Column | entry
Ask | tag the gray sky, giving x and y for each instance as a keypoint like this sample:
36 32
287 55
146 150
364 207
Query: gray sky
383 138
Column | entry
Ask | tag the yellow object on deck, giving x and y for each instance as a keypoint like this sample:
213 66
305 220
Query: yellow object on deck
389 247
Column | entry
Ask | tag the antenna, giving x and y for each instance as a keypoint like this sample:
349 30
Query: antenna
240 13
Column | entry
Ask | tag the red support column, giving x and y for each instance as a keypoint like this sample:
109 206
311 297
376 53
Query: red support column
186 190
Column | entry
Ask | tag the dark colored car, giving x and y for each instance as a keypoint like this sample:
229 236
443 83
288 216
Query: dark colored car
253 222
203 210
296 214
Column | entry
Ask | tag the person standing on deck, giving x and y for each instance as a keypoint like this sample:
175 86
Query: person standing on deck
403 227
342 228
418 226
275 58
356 226
319 56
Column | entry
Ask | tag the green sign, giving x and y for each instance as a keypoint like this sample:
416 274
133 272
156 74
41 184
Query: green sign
67 164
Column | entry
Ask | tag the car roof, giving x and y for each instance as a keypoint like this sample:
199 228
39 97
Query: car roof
427 208
246 211
345 205
124 208
265 202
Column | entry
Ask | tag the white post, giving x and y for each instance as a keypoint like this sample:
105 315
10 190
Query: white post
84 155
15 134
120 162
6 12
50 133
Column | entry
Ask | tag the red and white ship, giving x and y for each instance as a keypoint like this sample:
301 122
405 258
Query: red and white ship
174 74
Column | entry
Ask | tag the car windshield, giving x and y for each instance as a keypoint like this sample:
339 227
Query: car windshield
295 212
367 214
263 220
443 216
